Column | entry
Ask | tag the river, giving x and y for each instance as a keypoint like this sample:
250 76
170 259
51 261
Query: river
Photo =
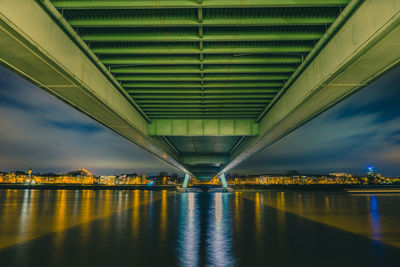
165 228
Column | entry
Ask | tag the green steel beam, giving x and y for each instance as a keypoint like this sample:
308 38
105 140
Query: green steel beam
156 4
205 159
203 128
149 110
159 85
270 21
253 113
207 77
131 37
202 101
180 114
168 50
200 108
206 91
205 105
191 111
183 116
201 112
204 177
199 96
205 170
256 77
195 61
209 91
251 116
190 69
271 36
187 21
205 116
161 78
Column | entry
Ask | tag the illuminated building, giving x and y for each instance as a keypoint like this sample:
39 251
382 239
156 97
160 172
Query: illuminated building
371 171
84 177
340 174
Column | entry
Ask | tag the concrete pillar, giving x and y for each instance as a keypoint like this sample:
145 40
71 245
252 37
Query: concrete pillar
223 180
186 181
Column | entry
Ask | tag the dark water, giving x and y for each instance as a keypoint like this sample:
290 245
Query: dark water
144 228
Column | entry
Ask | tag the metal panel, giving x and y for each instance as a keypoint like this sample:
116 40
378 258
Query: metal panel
211 127
206 127
142 4
227 127
204 159
143 43
204 144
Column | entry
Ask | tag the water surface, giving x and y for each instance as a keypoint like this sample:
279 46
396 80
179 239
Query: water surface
163 228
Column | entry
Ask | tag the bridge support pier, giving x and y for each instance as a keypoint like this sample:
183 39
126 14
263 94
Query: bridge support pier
186 181
223 180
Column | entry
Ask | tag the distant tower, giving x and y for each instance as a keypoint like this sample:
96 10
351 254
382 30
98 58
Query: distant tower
371 171
30 172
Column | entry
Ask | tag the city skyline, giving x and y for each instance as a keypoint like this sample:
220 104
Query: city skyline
231 174
41 132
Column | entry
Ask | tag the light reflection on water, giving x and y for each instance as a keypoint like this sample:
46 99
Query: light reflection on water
219 231
374 216
25 214
161 228
163 216
189 231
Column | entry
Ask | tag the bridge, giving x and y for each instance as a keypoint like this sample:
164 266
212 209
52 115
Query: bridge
201 84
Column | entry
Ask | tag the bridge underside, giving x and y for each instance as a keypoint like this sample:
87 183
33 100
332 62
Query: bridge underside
201 84
204 156
201 60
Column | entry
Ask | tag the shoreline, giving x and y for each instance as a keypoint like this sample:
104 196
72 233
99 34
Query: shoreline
87 187
381 188
291 187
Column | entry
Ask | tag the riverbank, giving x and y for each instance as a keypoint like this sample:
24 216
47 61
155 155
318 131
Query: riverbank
248 187
87 187
316 187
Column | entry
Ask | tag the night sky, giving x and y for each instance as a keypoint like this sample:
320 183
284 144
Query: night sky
40 131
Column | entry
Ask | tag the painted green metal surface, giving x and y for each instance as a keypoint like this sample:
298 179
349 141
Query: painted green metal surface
142 4
199 145
214 127
197 159
230 51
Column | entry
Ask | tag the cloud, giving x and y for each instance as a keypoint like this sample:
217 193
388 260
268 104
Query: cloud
364 129
40 131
